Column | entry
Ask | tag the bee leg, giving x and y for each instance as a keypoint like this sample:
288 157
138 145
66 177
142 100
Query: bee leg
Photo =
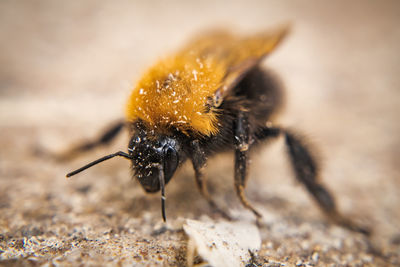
242 145
266 133
306 171
198 158
105 138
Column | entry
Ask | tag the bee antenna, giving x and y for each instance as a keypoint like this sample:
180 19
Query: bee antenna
162 186
119 153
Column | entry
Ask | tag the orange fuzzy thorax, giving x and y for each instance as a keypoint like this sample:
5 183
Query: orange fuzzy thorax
174 92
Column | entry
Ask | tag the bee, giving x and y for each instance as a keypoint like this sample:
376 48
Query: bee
211 96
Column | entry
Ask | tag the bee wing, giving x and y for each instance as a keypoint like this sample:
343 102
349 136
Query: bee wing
236 55
246 54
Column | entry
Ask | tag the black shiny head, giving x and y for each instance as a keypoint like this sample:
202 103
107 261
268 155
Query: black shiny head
154 161
150 156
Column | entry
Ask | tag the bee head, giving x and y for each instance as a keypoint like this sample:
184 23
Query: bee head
150 156
154 158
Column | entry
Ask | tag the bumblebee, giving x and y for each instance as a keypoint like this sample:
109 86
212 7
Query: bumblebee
209 97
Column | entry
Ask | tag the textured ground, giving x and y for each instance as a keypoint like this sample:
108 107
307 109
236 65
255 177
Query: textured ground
66 69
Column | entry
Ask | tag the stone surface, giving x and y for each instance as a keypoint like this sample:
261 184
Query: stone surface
222 243
66 71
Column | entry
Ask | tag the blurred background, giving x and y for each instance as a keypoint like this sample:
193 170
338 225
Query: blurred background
67 68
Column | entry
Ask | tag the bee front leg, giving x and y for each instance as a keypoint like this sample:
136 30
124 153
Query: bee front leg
104 138
242 144
198 158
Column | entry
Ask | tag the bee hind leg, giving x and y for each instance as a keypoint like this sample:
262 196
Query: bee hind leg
306 171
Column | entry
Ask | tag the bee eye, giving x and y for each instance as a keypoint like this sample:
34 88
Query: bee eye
171 161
